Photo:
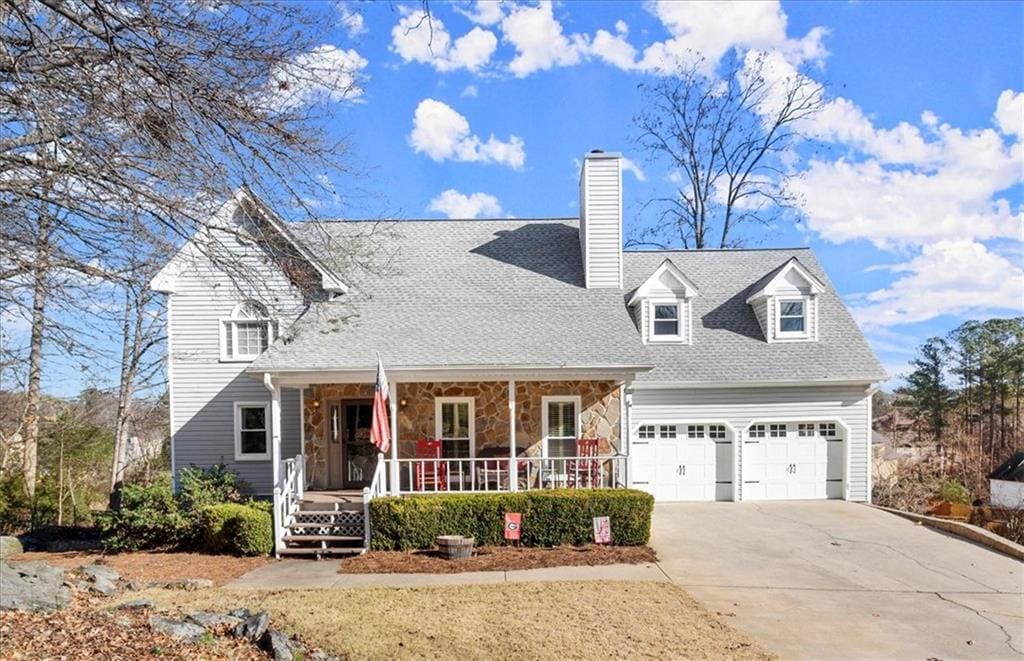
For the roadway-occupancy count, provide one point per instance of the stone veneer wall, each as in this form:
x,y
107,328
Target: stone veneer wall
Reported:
x,y
600,417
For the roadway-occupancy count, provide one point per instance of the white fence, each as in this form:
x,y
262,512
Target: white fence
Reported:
x,y
502,474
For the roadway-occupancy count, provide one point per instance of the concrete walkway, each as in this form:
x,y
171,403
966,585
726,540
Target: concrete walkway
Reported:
x,y
830,579
324,574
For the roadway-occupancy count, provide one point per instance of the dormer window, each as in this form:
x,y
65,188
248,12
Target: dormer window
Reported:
x,y
665,321
248,332
663,305
792,317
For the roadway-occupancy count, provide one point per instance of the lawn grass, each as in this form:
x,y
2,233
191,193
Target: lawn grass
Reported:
x,y
510,620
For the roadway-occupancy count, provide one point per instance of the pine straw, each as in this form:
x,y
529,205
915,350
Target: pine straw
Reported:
x,y
89,629
495,558
145,566
567,620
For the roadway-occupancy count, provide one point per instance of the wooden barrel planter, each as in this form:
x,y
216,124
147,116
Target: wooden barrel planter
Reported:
x,y
455,547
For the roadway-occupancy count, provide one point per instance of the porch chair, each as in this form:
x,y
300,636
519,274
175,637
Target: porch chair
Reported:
x,y
430,475
584,471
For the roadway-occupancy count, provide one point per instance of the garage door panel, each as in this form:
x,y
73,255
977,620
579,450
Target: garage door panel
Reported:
x,y
674,466
797,465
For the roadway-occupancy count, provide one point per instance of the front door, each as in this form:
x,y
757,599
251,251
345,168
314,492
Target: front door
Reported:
x,y
352,467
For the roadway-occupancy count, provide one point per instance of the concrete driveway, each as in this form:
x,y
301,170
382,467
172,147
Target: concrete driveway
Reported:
x,y
830,579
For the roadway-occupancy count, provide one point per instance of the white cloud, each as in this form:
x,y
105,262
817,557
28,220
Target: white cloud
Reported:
x,y
900,188
948,277
454,204
1010,113
327,73
539,41
443,134
351,20
484,12
631,167
470,91
417,38
711,29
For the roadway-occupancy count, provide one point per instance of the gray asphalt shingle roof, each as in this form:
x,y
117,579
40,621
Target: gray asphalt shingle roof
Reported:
x,y
465,293
510,293
728,344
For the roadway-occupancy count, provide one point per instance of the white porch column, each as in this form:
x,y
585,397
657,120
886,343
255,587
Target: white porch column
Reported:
x,y
513,465
275,458
395,485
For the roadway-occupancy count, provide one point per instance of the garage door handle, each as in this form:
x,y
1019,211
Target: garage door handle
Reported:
x,y
681,470
791,469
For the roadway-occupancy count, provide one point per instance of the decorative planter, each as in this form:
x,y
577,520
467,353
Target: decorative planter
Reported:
x,y
455,547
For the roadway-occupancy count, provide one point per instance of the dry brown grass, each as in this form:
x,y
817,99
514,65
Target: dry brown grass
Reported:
x,y
145,566
495,558
592,620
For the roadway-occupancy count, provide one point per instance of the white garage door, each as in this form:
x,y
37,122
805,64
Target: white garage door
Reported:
x,y
792,461
679,462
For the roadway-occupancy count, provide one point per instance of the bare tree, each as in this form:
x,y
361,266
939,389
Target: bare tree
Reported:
x,y
723,138
122,119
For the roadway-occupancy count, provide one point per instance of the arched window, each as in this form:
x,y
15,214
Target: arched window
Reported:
x,y
248,332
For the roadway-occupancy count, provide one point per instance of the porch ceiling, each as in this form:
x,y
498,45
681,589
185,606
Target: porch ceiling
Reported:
x,y
406,374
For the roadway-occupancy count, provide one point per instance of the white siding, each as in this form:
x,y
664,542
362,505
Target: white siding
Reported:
x,y
741,406
204,389
1006,493
761,307
601,220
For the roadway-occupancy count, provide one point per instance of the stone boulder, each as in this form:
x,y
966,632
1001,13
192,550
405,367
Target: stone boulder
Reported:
x,y
214,620
185,631
99,578
254,627
10,546
32,586
280,647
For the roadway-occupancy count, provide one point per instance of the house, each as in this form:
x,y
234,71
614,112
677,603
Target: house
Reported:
x,y
1006,483
699,374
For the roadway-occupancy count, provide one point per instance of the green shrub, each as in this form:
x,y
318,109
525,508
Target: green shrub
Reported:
x,y
235,528
251,532
954,492
199,487
149,517
550,518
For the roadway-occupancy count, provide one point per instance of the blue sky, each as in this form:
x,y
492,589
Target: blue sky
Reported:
x,y
913,201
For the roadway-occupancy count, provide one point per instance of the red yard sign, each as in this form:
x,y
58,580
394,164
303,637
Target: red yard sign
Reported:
x,y
513,522
602,530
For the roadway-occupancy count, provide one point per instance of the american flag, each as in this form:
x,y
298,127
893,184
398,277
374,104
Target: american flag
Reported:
x,y
380,427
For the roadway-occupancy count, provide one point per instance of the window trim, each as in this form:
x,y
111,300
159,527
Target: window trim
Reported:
x,y
557,399
230,325
681,318
438,427
252,456
805,302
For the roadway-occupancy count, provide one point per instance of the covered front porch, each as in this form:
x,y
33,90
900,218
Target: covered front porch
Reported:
x,y
465,436
447,436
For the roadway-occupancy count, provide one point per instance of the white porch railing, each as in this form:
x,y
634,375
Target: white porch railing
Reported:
x,y
287,496
377,488
483,475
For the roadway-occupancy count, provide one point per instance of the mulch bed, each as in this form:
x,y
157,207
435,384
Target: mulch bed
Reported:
x,y
495,558
88,629
145,566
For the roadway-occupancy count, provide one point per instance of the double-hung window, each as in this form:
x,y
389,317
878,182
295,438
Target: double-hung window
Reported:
x,y
455,426
561,422
247,333
792,317
666,321
252,431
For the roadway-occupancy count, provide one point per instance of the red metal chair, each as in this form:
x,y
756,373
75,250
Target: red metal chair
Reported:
x,y
584,471
430,475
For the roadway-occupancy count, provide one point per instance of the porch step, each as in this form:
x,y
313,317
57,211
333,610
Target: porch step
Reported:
x,y
322,538
314,551
299,525
333,506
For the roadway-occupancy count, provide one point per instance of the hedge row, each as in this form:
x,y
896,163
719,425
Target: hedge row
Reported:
x,y
550,518
236,528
